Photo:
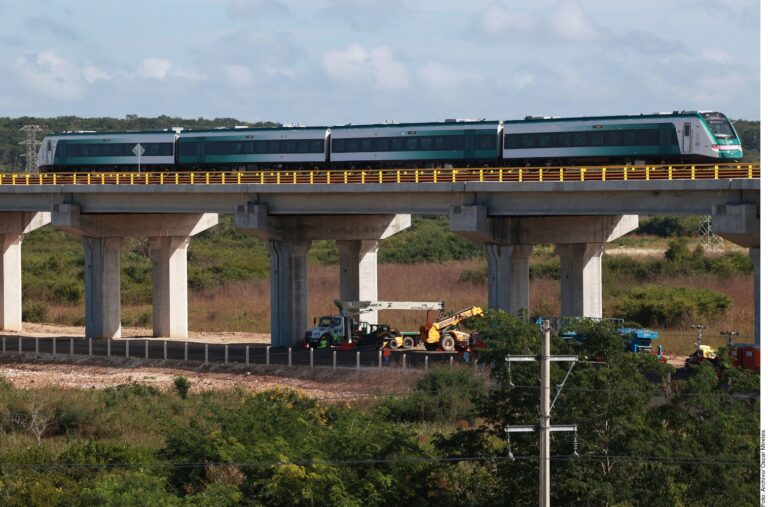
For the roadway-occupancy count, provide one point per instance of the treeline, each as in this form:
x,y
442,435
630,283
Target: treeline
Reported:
x,y
641,440
11,136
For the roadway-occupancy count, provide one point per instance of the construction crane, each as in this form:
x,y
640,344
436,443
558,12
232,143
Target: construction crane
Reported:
x,y
358,307
440,334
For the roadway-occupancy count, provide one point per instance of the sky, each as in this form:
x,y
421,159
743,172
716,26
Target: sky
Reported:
x,y
328,62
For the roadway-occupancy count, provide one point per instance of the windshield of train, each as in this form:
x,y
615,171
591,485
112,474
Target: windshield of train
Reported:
x,y
720,126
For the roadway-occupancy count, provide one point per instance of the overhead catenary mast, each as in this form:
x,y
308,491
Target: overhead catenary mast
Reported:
x,y
31,145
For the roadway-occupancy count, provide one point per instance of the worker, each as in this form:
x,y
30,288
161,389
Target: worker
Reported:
x,y
467,355
386,354
323,343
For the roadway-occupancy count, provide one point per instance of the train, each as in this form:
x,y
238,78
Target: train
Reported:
x,y
674,137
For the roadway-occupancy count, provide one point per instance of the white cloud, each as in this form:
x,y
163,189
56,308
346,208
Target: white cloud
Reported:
x,y
91,73
717,56
256,9
160,68
238,75
377,67
50,74
522,79
498,18
365,15
439,76
570,22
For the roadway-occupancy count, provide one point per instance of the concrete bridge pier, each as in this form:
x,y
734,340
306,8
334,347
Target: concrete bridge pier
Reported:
x,y
740,224
102,235
13,226
579,241
290,236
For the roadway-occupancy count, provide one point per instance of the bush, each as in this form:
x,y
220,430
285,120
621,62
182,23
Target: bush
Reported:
x,y
182,386
35,312
655,305
667,226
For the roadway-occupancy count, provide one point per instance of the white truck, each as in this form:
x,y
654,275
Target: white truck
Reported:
x,y
335,330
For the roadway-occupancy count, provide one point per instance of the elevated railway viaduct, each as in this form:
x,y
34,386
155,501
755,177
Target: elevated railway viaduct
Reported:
x,y
508,210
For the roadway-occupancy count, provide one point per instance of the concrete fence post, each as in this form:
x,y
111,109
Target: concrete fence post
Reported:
x,y
186,352
109,348
206,354
3,344
226,353
53,347
71,346
165,350
334,359
474,365
426,362
37,345
127,349
247,355
357,360
90,347
311,357
450,361
290,356
268,347
405,363
146,349
20,345
380,361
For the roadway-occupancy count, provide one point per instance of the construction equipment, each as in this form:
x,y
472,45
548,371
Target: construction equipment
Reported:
x,y
443,333
347,327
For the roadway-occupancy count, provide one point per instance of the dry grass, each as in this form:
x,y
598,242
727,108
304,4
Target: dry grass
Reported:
x,y
244,306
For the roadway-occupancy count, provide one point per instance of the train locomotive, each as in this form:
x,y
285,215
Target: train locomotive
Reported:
x,y
676,137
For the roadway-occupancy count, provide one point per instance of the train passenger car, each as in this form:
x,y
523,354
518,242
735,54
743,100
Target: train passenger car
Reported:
x,y
665,137
459,143
252,148
104,151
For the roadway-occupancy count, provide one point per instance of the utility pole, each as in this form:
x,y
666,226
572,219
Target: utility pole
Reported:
x,y
545,427
31,145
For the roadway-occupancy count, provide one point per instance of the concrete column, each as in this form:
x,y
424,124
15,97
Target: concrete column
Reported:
x,y
10,282
358,273
755,254
581,280
169,286
102,287
288,291
508,286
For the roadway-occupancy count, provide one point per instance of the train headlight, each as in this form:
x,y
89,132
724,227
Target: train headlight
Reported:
x,y
716,147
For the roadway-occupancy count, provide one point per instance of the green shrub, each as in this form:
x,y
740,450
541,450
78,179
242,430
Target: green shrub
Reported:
x,y
68,292
669,225
182,386
474,276
35,312
655,305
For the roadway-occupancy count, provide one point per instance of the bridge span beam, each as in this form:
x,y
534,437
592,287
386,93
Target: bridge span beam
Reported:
x,y
740,224
579,241
13,227
290,236
102,235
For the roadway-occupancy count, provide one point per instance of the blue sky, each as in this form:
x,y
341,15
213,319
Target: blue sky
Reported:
x,y
356,61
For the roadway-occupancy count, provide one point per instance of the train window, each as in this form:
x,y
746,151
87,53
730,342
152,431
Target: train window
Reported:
x,y
580,139
302,146
365,145
687,130
273,146
411,144
596,138
439,143
561,140
529,140
187,148
382,144
398,144
288,146
425,143
485,142
543,140
455,142
630,138
317,146
613,138
352,145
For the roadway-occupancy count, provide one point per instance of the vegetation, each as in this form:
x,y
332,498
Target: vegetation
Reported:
x,y
641,441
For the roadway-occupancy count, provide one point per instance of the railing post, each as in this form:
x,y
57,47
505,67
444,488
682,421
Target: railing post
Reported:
x,y
3,344
334,359
481,175
268,347
669,173
426,362
749,171
186,352
127,349
20,345
357,360
405,363
90,347
625,173
380,362
247,355
290,356
647,174
165,350
520,174
541,174
603,173
693,172
717,172
206,354
37,345
71,346
450,361
561,174
226,353
146,349
109,348
53,347
311,357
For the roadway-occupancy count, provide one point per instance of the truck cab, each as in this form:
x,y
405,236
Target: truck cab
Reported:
x,y
335,329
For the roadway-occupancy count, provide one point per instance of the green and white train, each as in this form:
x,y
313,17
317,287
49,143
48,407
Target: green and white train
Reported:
x,y
680,136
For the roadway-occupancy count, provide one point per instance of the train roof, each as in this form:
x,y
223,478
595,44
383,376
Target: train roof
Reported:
x,y
176,130
418,124
539,119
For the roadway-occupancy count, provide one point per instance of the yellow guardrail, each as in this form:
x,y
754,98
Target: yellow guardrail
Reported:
x,y
394,176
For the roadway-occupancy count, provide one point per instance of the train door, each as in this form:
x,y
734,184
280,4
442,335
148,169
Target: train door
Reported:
x,y
686,138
